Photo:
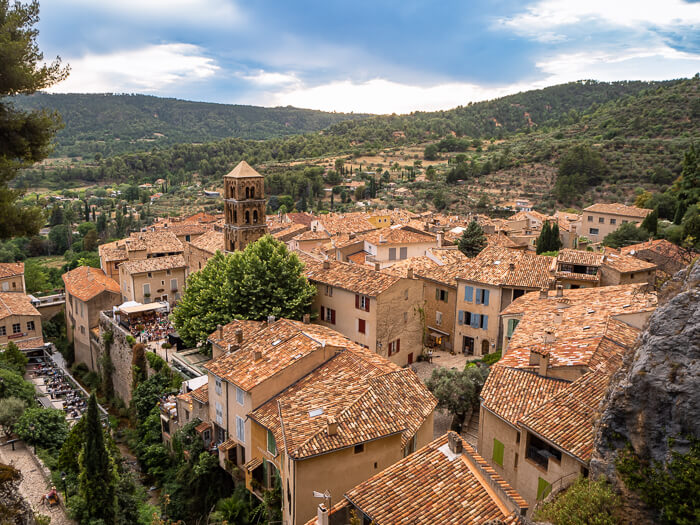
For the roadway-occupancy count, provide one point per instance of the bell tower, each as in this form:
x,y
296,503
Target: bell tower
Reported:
x,y
244,207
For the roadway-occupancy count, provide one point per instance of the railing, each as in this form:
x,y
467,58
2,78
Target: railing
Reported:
x,y
558,485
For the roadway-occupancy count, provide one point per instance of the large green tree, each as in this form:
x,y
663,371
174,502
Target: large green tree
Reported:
x,y
98,474
25,135
549,240
264,279
472,240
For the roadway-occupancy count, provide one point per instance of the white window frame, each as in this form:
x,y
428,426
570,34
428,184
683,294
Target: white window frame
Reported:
x,y
240,429
240,396
219,414
217,386
438,318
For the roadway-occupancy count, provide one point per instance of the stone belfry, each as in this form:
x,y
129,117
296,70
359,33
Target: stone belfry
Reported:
x,y
244,207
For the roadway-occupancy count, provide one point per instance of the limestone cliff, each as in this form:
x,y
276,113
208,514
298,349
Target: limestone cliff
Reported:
x,y
654,402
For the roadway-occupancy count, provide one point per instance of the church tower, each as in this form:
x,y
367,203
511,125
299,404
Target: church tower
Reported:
x,y
244,207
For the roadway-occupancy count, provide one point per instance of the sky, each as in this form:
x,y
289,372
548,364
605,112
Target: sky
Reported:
x,y
377,56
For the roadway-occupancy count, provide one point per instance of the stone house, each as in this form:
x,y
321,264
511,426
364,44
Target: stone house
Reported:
x,y
12,277
20,322
600,219
201,249
150,280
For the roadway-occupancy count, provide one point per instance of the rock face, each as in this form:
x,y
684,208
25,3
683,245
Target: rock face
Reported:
x,y
656,396
14,509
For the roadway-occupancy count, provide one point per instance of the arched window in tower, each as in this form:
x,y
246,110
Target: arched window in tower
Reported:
x,y
255,216
247,192
247,217
252,192
235,216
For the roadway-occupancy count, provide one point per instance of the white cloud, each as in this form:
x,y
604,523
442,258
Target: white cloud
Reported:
x,y
547,14
151,70
266,78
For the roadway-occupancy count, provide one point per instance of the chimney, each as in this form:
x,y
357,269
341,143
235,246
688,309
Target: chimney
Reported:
x,y
238,336
326,265
219,332
306,319
382,239
454,442
544,293
560,290
377,266
409,273
544,364
511,266
332,426
270,319
257,355
439,240
351,236
322,515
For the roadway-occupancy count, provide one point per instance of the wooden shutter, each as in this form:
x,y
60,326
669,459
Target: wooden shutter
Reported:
x,y
461,317
323,313
437,294
498,450
366,304
486,297
357,301
478,295
398,345
468,293
332,316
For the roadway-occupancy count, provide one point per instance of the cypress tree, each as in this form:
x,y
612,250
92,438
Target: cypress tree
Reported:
x,y
543,239
555,241
472,240
651,222
98,477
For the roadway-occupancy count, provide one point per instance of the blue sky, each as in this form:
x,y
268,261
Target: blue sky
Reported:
x,y
364,56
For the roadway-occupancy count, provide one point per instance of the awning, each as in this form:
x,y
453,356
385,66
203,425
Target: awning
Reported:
x,y
437,333
253,464
141,308
226,445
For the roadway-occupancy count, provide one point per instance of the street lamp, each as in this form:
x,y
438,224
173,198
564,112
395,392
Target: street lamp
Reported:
x,y
65,488
32,428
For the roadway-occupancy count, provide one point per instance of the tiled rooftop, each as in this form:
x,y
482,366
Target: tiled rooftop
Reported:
x,y
229,331
210,242
618,209
493,266
661,247
580,257
201,394
335,223
11,269
242,170
626,263
13,303
365,400
435,486
398,235
420,266
154,264
85,283
355,278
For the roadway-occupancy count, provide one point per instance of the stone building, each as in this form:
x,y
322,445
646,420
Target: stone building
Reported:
x,y
12,277
244,207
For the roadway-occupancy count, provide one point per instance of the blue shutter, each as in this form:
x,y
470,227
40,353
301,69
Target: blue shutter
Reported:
x,y
485,321
461,317
478,295
486,297
468,293
475,321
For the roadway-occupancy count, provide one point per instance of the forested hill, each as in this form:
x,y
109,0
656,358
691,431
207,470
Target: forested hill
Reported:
x,y
114,124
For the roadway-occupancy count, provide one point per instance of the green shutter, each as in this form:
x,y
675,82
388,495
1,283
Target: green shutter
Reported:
x,y
271,444
543,488
498,452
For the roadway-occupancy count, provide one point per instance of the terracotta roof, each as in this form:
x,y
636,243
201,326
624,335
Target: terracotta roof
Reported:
x,y
13,303
229,332
335,224
619,209
302,218
499,239
446,274
359,258
661,247
446,255
202,427
161,241
528,215
626,263
493,266
30,344
85,283
186,228
398,235
242,170
574,276
310,235
279,344
289,231
580,257
210,242
434,485
201,217
154,264
201,394
11,269
366,402
355,278
112,252
420,265
511,392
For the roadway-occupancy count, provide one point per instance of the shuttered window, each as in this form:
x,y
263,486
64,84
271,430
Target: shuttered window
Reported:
x,y
498,449
469,293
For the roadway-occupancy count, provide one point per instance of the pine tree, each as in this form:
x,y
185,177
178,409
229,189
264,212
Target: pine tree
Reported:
x,y
98,476
543,239
651,222
554,240
472,240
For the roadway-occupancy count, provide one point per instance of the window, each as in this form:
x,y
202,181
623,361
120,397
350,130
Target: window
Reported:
x,y
392,254
498,452
541,452
469,293
512,323
173,285
329,291
601,220
82,330
362,302
219,414
624,221
394,347
16,328
168,272
240,396
162,283
271,444
30,326
403,253
359,448
146,290
593,231
240,429
482,296
465,317
328,315
217,386
515,462
5,286
590,218
438,318
441,295
3,330
613,221
149,275
405,317
484,322
361,326
543,488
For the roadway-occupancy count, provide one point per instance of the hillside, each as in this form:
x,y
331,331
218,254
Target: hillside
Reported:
x,y
113,124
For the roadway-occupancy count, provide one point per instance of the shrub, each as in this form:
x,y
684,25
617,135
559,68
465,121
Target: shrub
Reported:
x,y
49,427
586,502
490,359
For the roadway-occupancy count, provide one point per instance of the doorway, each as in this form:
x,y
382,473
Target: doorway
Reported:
x,y
467,345
484,347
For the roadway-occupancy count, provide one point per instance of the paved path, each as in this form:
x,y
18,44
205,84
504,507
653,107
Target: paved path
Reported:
x,y
34,483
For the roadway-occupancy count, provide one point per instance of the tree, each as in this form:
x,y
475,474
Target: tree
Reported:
x,y
26,135
264,279
57,215
457,391
90,241
431,152
13,384
472,240
98,476
58,237
579,168
651,222
625,235
11,409
43,427
12,358
439,201
548,240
